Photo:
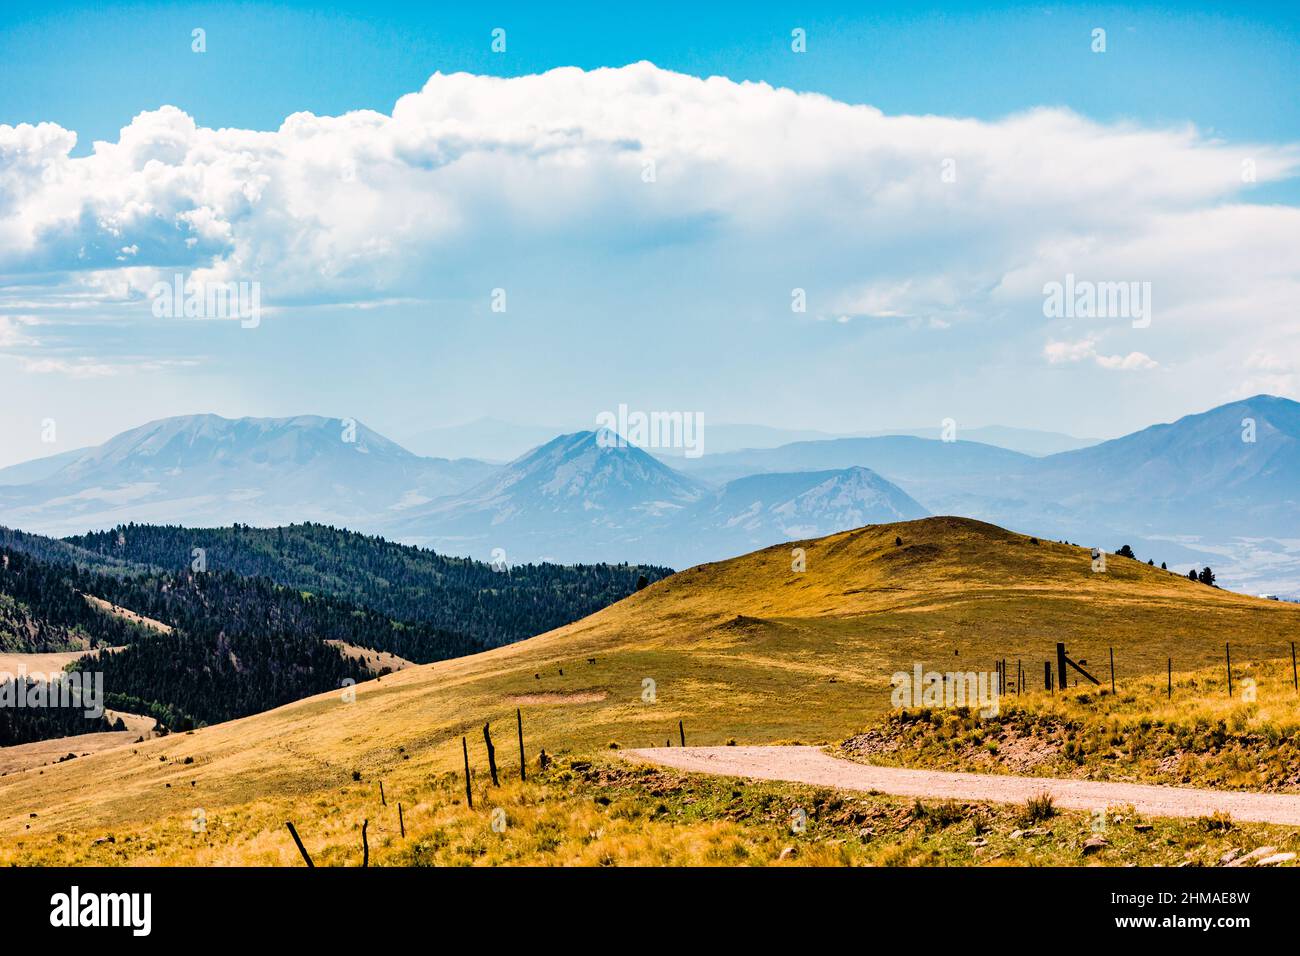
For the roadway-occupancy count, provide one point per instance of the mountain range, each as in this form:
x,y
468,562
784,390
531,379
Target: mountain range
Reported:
x,y
492,439
1217,487
204,469
584,495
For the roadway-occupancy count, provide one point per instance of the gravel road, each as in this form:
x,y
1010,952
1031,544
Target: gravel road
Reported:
x,y
811,765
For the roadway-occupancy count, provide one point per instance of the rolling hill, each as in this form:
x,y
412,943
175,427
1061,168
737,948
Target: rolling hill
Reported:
x,y
746,650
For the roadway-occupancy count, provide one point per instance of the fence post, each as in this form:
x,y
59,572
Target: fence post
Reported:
x,y
301,849
1112,670
1227,650
1294,681
382,799
401,822
1171,679
1047,675
682,730
519,720
1061,682
492,755
469,793
365,844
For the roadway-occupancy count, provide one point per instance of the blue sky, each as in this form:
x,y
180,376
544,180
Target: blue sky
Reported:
x,y
92,66
921,305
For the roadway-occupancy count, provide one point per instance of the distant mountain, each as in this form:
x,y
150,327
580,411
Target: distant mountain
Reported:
x,y
583,495
1199,473
761,510
204,469
900,458
1192,492
491,439
577,495
1028,441
38,468
1220,487
722,438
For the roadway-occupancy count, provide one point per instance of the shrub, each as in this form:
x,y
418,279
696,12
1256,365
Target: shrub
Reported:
x,y
1039,808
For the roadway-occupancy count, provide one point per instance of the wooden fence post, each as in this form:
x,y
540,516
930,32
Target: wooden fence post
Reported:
x,y
401,822
469,793
1227,650
365,844
1112,670
1061,681
682,730
519,720
492,755
301,849
1047,675
382,799
1171,679
1295,682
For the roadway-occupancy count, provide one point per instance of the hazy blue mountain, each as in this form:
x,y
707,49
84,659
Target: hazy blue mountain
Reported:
x,y
204,469
582,495
38,468
900,458
491,439
1188,492
760,510
723,438
1028,441
577,494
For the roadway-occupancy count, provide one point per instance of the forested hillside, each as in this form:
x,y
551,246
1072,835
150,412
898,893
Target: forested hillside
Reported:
x,y
459,595
42,608
239,645
186,679
251,622
23,725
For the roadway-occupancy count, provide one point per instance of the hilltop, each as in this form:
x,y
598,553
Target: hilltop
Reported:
x,y
747,650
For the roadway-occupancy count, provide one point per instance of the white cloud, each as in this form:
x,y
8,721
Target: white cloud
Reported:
x,y
1084,350
474,171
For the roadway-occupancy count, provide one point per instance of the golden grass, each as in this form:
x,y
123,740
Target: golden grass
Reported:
x,y
611,814
1193,733
745,650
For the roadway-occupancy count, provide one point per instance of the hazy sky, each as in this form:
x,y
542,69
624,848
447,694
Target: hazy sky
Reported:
x,y
645,191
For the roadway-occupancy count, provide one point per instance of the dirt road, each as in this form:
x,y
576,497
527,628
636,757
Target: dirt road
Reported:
x,y
811,765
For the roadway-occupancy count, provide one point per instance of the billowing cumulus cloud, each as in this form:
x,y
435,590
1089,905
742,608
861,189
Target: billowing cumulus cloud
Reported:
x,y
932,220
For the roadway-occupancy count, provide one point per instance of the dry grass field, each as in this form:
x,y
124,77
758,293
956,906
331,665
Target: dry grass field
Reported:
x,y
746,650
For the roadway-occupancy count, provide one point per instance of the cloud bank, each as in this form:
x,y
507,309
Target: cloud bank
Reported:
x,y
926,219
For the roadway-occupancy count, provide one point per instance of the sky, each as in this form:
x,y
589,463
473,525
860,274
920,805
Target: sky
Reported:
x,y
668,207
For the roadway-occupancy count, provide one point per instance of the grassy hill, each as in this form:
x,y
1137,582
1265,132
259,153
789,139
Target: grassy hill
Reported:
x,y
746,650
